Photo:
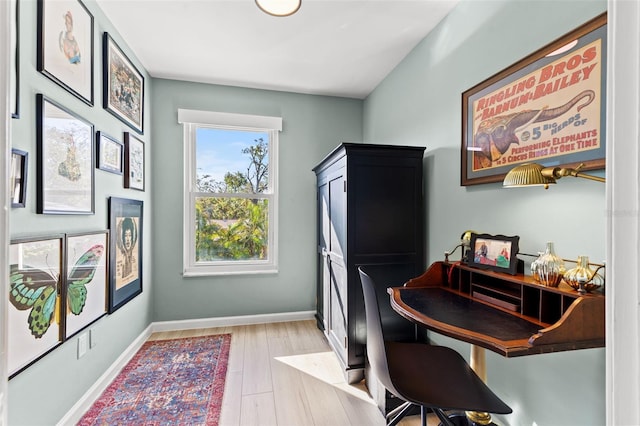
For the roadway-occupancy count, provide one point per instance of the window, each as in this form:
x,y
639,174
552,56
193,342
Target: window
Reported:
x,y
230,193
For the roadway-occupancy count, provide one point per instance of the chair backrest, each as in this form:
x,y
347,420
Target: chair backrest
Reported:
x,y
376,352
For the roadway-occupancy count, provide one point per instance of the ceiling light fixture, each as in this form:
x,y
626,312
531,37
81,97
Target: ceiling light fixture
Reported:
x,y
532,174
279,7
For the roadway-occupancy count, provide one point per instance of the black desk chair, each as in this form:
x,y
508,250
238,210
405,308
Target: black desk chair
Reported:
x,y
433,377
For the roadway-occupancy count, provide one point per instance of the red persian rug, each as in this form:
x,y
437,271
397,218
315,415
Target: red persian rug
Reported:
x,y
177,382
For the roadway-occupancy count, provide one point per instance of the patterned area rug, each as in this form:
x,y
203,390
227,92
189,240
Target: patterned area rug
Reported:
x,y
168,382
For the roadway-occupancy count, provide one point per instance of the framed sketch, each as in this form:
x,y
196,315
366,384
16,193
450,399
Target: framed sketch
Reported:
x,y
123,86
65,46
109,153
34,308
14,60
18,178
65,177
125,265
85,287
548,108
133,162
494,252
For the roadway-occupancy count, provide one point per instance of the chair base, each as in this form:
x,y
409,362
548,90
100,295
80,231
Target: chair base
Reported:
x,y
461,419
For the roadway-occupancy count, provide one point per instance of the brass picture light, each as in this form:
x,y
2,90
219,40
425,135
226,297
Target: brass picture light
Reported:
x,y
533,174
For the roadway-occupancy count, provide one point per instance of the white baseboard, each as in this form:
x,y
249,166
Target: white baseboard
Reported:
x,y
229,321
75,413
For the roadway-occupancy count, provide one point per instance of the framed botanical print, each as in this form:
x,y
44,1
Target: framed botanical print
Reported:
x,y
65,46
133,162
85,287
123,85
65,177
125,265
34,311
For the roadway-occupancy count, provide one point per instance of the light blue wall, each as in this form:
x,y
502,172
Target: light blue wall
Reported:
x,y
312,127
44,392
419,103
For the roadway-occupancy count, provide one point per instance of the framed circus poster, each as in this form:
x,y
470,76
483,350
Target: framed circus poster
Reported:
x,y
125,265
548,108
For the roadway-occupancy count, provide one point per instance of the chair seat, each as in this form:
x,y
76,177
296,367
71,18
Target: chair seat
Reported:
x,y
439,377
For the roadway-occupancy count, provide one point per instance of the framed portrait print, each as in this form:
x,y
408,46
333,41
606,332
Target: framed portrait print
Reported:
x,y
14,60
109,153
133,162
548,108
18,178
65,46
123,85
85,287
34,309
65,177
125,265
494,252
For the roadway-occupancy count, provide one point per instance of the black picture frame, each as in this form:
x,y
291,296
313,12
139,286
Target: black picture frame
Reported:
x,y
86,281
134,162
494,252
65,157
548,108
18,178
122,86
109,153
14,64
32,329
125,262
65,46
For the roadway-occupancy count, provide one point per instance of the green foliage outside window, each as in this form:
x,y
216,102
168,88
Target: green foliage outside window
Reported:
x,y
234,228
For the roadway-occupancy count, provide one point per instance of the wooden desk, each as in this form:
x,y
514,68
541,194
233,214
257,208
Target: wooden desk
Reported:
x,y
508,314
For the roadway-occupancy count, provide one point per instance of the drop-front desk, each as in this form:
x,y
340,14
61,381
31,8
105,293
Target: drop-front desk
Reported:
x,y
508,314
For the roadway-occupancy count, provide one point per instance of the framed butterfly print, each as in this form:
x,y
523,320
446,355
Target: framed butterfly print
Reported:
x,y
85,287
34,311
125,265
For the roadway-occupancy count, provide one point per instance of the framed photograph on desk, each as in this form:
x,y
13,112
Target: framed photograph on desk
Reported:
x,y
494,252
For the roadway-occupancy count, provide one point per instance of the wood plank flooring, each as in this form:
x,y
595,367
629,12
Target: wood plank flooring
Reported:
x,y
285,374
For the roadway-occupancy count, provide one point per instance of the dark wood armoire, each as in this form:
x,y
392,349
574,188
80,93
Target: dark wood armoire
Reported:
x,y
370,214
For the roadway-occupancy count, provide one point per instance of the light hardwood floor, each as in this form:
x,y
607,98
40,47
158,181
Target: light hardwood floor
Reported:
x,y
285,374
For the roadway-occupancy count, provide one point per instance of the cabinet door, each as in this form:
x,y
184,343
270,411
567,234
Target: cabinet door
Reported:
x,y
324,222
337,280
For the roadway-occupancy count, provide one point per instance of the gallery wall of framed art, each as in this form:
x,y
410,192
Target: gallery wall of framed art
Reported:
x,y
67,161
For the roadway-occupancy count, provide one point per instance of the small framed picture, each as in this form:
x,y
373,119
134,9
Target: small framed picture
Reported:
x,y
494,252
19,163
125,264
133,162
65,46
109,153
65,160
123,86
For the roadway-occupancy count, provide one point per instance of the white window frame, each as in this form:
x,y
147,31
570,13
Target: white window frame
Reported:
x,y
191,121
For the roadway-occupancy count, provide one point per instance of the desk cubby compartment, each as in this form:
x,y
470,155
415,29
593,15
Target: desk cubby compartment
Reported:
x,y
503,294
531,302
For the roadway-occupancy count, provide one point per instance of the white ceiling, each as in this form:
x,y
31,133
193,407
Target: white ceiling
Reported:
x,y
329,47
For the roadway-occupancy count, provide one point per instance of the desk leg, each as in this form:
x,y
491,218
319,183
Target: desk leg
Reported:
x,y
478,364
